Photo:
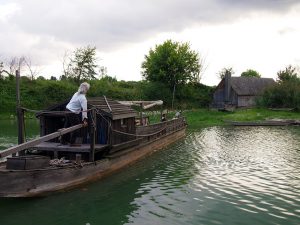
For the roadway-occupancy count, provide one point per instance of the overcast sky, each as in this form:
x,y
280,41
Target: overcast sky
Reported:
x,y
243,34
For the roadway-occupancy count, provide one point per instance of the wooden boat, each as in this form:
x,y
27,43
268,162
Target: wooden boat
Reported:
x,y
111,142
264,123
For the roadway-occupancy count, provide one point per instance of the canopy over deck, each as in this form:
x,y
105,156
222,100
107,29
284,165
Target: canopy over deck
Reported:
x,y
108,107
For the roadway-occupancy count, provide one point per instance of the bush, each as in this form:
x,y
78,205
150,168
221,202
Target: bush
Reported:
x,y
282,95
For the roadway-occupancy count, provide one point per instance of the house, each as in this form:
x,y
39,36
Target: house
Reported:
x,y
239,91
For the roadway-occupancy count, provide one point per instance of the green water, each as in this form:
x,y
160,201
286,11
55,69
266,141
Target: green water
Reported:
x,y
216,175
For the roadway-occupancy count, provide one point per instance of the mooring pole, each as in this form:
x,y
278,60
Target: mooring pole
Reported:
x,y
20,113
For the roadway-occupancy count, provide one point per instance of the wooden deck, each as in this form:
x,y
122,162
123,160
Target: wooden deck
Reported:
x,y
53,146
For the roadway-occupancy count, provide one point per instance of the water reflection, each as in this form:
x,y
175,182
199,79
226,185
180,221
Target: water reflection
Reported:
x,y
216,175
9,132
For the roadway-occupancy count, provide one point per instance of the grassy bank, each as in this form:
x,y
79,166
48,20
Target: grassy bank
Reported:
x,y
205,117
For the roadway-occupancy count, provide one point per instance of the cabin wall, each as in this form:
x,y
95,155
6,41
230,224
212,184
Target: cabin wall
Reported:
x,y
126,125
102,136
50,124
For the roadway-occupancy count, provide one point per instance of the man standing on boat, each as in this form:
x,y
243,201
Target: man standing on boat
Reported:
x,y
77,108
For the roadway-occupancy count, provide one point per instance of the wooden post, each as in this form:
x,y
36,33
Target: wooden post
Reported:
x,y
20,114
173,96
93,135
141,114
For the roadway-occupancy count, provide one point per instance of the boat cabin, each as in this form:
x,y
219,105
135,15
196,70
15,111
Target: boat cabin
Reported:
x,y
104,117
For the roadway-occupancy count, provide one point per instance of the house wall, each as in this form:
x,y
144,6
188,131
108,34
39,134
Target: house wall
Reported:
x,y
218,98
233,98
246,101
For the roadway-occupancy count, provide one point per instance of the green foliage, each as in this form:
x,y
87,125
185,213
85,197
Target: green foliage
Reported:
x,y
172,63
250,73
286,93
40,93
288,74
157,91
282,95
82,65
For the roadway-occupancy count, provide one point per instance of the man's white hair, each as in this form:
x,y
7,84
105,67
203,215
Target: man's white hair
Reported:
x,y
83,88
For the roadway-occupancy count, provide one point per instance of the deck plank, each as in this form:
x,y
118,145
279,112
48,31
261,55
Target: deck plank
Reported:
x,y
53,146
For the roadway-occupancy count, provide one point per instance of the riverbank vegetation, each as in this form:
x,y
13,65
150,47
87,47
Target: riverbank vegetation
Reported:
x,y
205,117
286,92
39,94
171,73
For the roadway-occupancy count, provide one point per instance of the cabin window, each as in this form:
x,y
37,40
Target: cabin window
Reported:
x,y
123,123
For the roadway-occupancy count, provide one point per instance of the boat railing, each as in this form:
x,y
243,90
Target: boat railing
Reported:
x,y
147,133
156,130
37,141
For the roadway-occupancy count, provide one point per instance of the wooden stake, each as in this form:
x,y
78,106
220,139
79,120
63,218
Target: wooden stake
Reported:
x,y
20,114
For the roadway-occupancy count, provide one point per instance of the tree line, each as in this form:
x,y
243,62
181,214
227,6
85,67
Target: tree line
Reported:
x,y
39,94
171,72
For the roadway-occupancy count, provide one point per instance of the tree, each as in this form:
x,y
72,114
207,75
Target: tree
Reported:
x,y
288,74
172,63
2,70
222,72
16,63
103,71
33,70
81,65
250,73
10,66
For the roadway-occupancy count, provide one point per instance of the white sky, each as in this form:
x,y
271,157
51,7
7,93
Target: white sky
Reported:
x,y
260,34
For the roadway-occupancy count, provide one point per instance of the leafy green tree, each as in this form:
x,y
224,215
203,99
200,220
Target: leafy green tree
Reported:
x,y
82,64
222,72
288,74
250,73
172,63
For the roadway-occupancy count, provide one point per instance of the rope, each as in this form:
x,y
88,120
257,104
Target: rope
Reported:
x,y
59,162
139,135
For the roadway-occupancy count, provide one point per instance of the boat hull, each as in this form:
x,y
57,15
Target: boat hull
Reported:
x,y
27,183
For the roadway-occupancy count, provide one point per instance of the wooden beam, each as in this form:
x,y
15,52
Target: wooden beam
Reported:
x,y
34,142
93,135
107,103
21,128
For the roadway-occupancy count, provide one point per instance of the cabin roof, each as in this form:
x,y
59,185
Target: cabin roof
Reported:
x,y
250,85
105,106
111,108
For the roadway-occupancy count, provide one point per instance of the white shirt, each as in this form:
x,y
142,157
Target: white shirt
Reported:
x,y
77,103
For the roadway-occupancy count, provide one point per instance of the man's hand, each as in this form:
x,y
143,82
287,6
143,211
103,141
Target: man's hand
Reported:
x,y
85,123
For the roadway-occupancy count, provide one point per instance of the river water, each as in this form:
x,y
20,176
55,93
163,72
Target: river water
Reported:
x,y
216,175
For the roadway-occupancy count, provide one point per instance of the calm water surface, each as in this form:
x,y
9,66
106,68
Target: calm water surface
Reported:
x,y
216,175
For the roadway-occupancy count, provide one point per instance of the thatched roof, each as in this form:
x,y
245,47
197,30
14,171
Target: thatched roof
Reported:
x,y
250,85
